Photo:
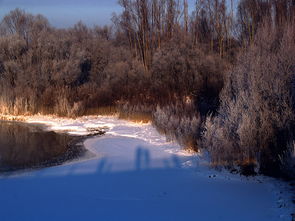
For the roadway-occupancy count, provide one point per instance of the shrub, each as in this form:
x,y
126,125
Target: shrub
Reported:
x,y
256,118
180,71
179,122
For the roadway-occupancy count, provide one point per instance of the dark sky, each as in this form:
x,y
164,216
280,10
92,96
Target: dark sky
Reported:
x,y
65,13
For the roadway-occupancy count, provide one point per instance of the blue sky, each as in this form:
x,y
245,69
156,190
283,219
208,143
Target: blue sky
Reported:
x,y
65,13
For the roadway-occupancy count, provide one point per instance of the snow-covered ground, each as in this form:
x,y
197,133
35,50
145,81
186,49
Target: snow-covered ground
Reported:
x,y
137,175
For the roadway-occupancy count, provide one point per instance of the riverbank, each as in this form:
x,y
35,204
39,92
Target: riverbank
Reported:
x,y
137,175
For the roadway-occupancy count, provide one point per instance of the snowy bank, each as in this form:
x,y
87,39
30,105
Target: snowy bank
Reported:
x,y
136,175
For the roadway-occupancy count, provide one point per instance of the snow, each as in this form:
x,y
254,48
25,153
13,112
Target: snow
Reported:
x,y
136,175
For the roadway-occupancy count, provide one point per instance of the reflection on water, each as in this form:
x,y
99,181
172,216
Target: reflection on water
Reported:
x,y
28,146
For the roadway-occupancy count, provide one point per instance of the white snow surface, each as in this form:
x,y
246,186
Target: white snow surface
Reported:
x,y
136,175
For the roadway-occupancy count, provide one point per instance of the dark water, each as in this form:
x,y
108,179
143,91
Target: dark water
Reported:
x,y
29,146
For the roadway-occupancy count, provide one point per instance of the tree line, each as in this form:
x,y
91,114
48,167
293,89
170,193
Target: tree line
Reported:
x,y
219,76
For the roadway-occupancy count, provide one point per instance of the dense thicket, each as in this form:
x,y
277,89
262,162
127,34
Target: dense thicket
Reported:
x,y
220,78
255,124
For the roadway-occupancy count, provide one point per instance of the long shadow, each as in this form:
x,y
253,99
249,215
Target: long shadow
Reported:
x,y
153,194
144,193
176,161
142,158
102,165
